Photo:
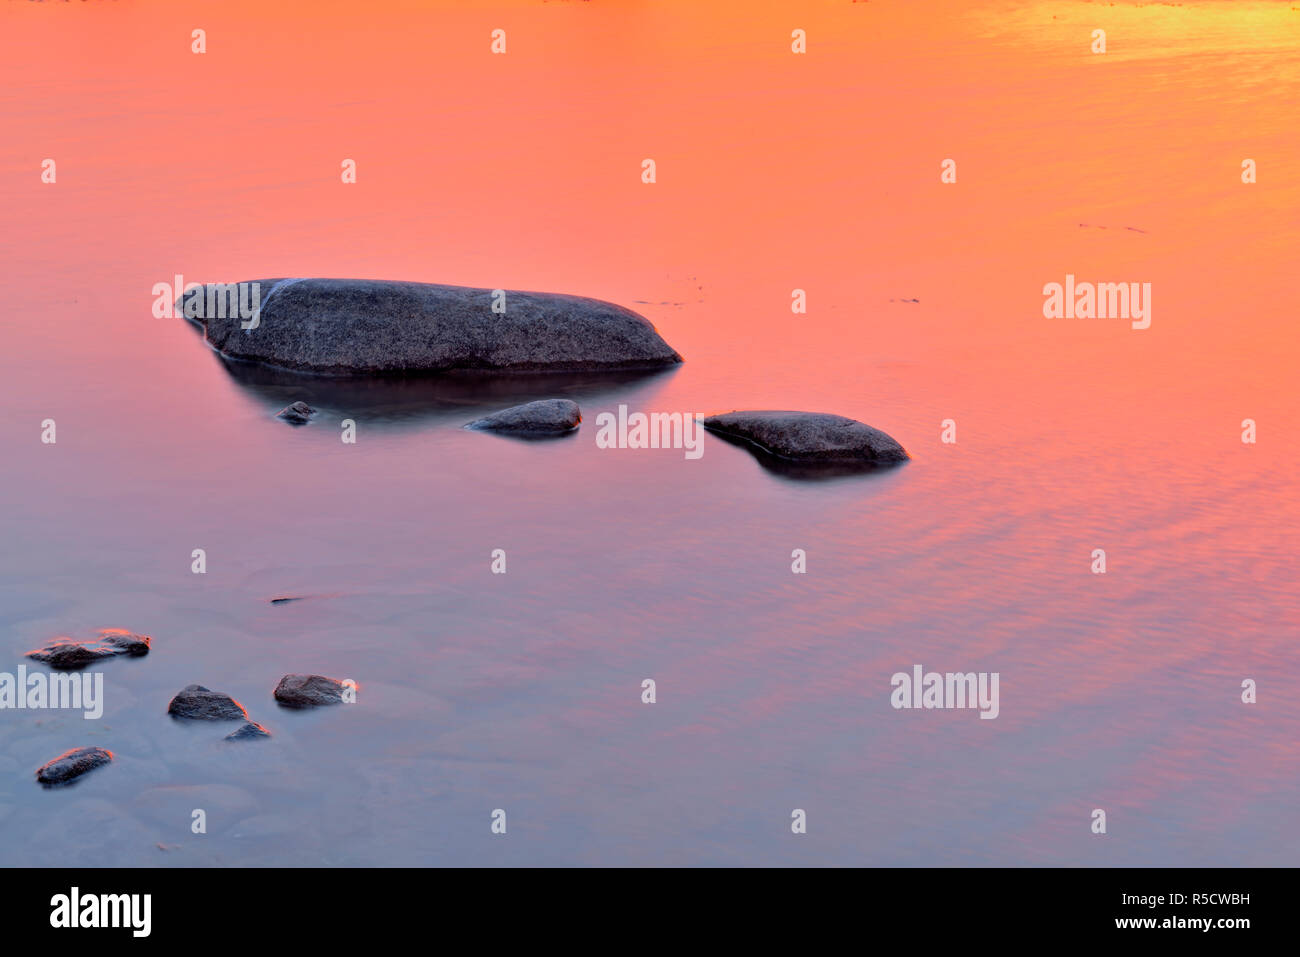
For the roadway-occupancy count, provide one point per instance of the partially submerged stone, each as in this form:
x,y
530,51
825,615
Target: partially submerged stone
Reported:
x,y
543,417
299,413
309,691
370,326
810,438
248,731
197,703
70,653
72,764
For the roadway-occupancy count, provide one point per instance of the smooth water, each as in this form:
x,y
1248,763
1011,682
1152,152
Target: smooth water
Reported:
x,y
776,172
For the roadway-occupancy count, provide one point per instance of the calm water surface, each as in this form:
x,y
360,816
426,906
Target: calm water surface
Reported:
x,y
776,172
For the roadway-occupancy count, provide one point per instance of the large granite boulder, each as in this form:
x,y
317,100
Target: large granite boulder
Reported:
x,y
370,326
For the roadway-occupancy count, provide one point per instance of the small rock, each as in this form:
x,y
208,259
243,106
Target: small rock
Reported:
x,y
72,764
308,691
66,654
249,730
810,437
543,417
197,703
298,414
69,653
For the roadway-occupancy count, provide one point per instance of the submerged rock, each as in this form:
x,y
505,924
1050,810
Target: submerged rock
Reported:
x,y
72,764
810,438
299,413
248,731
69,653
308,691
367,326
543,417
197,703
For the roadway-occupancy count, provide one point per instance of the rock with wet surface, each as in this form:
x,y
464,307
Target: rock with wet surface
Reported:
x,y
248,731
72,764
371,326
543,417
70,653
197,703
308,691
299,413
810,437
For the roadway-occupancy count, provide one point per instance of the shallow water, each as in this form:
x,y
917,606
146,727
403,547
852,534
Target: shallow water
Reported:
x,y
775,172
